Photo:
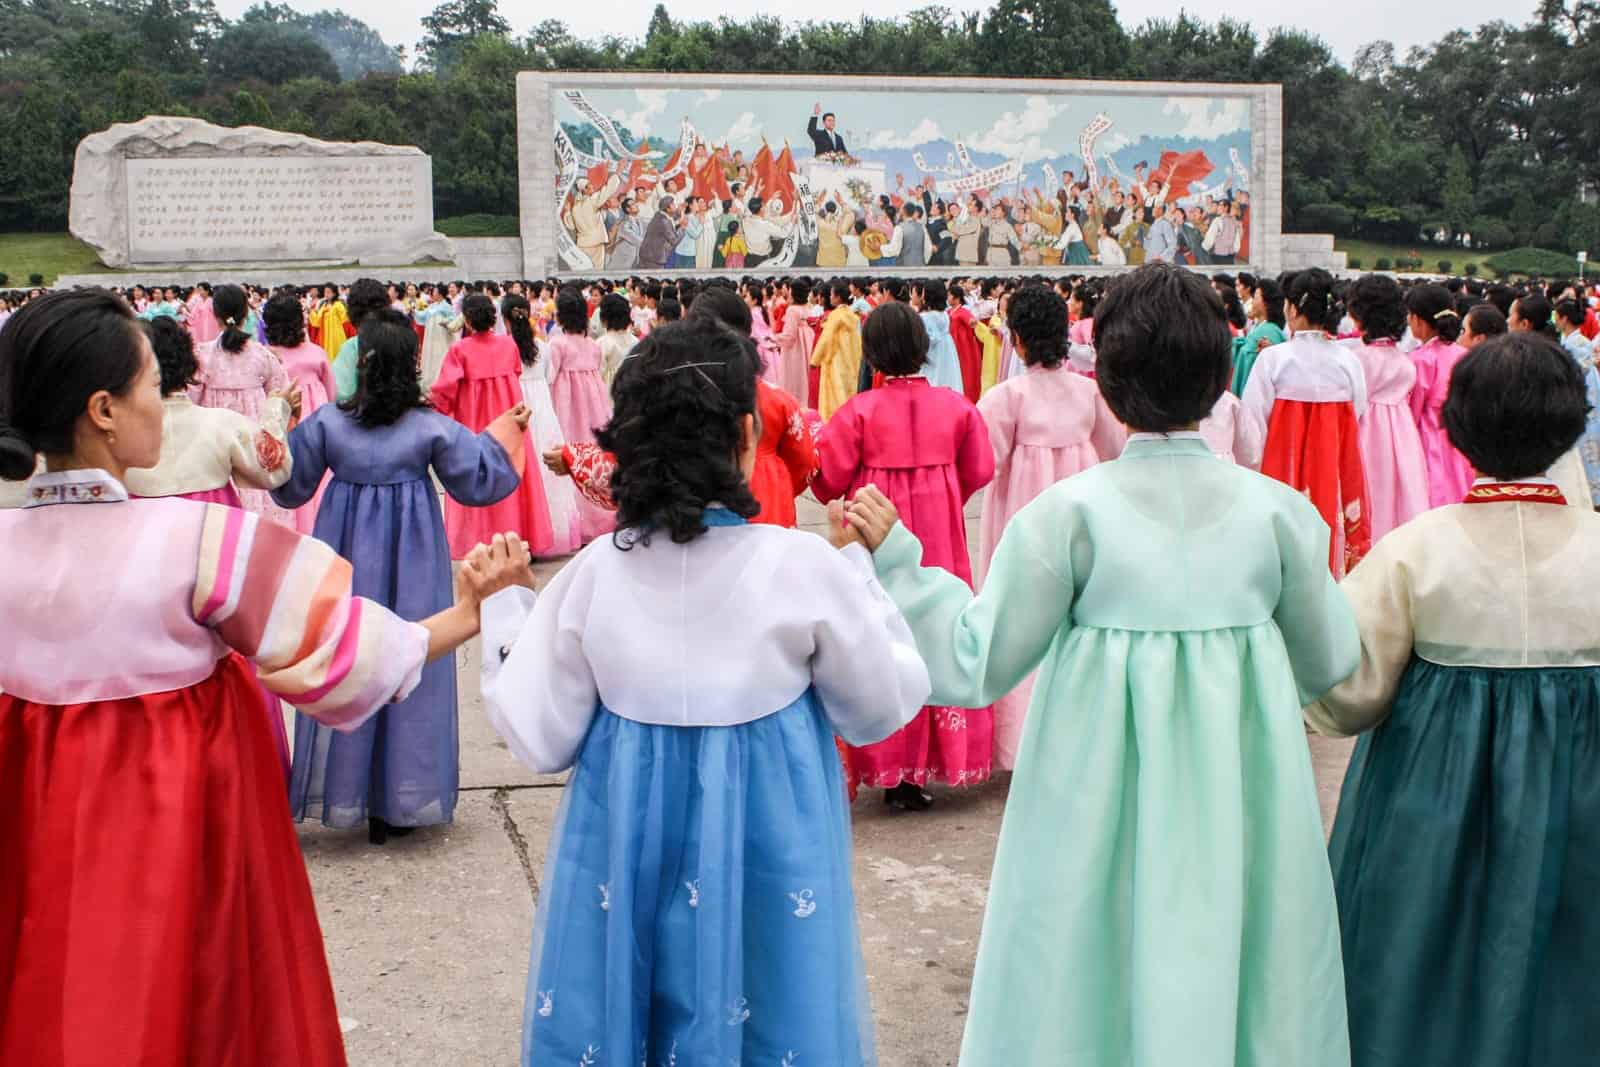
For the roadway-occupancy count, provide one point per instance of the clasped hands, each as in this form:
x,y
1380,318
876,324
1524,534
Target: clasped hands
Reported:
x,y
489,568
865,519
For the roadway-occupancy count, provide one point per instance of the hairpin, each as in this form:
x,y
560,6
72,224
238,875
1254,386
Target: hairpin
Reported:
x,y
696,367
1451,312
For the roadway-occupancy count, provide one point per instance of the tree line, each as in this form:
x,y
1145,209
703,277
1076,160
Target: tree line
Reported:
x,y
1490,132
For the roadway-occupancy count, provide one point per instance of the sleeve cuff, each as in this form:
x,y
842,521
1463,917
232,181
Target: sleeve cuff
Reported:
x,y
501,619
900,549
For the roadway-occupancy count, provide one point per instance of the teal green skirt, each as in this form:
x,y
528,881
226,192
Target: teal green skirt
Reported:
x,y
1466,858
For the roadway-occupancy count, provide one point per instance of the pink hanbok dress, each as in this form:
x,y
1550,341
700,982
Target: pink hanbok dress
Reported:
x,y
1449,473
481,379
1391,446
795,341
928,451
767,345
1044,425
583,405
240,382
201,320
308,368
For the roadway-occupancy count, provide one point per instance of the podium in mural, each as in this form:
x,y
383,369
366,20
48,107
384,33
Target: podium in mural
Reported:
x,y
701,173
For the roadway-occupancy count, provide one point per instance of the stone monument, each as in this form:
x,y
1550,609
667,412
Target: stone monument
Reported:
x,y
168,191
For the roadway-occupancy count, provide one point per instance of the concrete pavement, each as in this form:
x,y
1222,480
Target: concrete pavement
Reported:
x,y
428,935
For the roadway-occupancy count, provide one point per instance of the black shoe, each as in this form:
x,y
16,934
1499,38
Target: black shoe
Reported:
x,y
379,832
908,796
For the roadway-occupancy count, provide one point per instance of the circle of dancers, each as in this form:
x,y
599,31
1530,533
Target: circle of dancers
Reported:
x,y
1216,512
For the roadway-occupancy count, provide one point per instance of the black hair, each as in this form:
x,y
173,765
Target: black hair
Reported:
x,y
1248,280
933,294
572,314
723,305
1485,320
1311,292
799,290
615,314
478,310
1164,353
1434,305
514,308
1272,297
1234,307
174,350
956,293
367,295
386,385
56,352
668,309
232,310
1516,405
1502,297
1571,310
840,291
826,115
1377,303
894,340
1038,318
285,320
1087,294
675,430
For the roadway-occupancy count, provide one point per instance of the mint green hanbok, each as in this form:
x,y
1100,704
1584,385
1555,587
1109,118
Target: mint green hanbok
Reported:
x,y
1161,894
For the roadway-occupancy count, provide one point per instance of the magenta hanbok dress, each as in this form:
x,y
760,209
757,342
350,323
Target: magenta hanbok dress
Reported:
x,y
1449,473
927,450
309,369
583,405
240,382
1391,446
480,380
1047,424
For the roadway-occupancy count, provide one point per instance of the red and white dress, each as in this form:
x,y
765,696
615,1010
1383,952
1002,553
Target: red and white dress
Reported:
x,y
1310,392
155,907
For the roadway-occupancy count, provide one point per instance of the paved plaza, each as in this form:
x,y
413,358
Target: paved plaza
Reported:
x,y
428,935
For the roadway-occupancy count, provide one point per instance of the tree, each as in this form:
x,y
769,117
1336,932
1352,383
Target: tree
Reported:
x,y
660,24
1186,49
1053,39
455,22
270,53
1456,195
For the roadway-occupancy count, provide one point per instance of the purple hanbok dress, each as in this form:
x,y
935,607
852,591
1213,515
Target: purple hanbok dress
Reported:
x,y
380,511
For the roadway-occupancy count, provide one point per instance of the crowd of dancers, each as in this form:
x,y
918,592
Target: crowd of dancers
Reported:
x,y
231,500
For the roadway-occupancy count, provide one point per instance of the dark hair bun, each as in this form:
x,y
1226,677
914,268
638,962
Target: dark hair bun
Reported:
x,y
17,457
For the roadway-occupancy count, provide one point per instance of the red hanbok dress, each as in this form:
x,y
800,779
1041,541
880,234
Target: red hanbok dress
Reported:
x,y
969,350
928,451
155,907
481,379
1309,393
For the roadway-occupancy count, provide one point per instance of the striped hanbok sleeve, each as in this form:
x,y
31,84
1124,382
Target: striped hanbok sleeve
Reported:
x,y
284,602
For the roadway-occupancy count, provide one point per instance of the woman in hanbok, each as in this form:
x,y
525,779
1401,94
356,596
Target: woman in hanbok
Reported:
x,y
1081,303
1074,250
238,373
837,354
1465,854
441,328
1266,329
580,397
380,510
696,905
155,908
969,349
1532,313
308,369
928,449
944,363
1161,894
616,335
481,380
1310,393
1047,425
1435,324
1393,465
565,523
754,295
200,318
1232,432
795,340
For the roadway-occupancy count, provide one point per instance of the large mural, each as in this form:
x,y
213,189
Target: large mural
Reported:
x,y
698,179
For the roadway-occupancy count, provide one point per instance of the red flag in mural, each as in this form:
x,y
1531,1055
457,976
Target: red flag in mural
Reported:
x,y
712,181
1181,169
761,165
781,184
598,174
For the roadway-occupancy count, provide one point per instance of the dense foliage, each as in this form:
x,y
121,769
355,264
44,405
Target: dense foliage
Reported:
x,y
1489,133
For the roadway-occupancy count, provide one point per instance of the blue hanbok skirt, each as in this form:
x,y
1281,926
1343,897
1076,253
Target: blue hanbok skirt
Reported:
x,y
696,906
1466,858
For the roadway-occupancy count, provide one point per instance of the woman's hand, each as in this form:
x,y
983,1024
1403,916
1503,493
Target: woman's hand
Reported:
x,y
872,516
291,396
521,414
498,565
556,461
840,532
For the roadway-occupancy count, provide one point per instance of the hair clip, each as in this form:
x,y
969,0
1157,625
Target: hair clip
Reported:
x,y
696,367
1451,312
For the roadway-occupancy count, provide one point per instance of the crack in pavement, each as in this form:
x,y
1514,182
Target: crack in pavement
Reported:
x,y
519,844
510,788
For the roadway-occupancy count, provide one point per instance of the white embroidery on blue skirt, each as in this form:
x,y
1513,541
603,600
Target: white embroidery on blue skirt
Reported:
x,y
804,904
694,892
789,1059
672,1056
589,1055
738,1012
547,1003
605,896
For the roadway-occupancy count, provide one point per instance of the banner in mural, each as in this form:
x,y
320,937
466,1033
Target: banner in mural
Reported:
x,y
791,179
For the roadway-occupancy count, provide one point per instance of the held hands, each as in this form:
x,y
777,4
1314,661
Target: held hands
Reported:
x,y
489,568
840,532
520,415
290,396
871,516
556,461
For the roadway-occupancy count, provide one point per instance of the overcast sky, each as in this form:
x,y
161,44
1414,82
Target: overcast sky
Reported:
x,y
1346,25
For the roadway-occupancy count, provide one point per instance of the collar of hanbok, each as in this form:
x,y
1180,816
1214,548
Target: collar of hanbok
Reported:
x,y
91,486
717,515
1157,444
1521,491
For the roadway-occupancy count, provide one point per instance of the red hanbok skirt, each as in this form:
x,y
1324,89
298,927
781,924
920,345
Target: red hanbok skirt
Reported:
x,y
155,907
1316,448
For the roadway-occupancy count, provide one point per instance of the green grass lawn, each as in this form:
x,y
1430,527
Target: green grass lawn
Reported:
x,y
1369,252
49,254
